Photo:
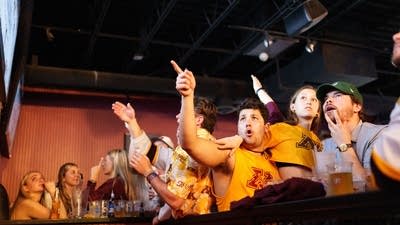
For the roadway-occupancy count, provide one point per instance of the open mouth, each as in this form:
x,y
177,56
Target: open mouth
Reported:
x,y
248,133
330,108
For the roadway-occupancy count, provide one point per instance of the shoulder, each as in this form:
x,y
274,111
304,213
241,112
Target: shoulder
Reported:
x,y
280,126
369,129
371,126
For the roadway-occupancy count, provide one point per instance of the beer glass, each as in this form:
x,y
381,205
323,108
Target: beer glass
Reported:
x,y
340,178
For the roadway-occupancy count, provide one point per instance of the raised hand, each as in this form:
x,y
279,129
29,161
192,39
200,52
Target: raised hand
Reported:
x,y
95,171
185,81
125,113
339,132
256,83
229,143
50,187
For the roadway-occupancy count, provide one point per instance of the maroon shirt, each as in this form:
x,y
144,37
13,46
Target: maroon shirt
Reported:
x,y
104,191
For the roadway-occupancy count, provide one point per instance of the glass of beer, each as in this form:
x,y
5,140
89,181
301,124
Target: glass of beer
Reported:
x,y
340,178
55,207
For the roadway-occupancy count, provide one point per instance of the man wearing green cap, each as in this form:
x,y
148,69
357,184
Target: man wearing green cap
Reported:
x,y
351,138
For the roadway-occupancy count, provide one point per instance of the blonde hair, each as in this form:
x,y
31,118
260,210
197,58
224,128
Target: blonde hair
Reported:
x,y
22,194
119,159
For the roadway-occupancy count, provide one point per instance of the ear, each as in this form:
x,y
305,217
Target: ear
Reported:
x,y
266,127
357,107
292,107
199,120
25,189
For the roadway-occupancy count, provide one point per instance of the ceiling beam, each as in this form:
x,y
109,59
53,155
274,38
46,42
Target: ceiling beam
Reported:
x,y
145,41
288,6
210,29
95,32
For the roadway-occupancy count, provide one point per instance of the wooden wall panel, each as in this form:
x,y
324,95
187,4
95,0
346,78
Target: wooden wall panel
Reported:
x,y
54,129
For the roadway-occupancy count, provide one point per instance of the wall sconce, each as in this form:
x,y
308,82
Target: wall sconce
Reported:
x,y
310,46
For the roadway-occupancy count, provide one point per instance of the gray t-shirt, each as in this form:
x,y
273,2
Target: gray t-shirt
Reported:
x,y
363,137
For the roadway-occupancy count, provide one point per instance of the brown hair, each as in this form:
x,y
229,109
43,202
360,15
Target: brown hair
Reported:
x,y
292,118
65,198
252,103
206,108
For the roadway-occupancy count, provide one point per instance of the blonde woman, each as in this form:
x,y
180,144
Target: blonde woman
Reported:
x,y
120,181
30,195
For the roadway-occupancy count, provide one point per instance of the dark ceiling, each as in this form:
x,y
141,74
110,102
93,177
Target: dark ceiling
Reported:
x,y
210,37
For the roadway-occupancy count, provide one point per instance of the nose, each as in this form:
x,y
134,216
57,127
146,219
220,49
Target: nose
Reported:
x,y
328,98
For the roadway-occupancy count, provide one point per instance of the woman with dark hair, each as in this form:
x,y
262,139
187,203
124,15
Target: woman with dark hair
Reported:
x,y
68,179
294,141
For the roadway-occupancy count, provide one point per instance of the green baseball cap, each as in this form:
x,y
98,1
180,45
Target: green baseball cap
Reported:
x,y
341,86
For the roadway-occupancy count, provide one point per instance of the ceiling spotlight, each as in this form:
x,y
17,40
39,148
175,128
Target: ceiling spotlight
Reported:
x,y
268,41
263,56
310,46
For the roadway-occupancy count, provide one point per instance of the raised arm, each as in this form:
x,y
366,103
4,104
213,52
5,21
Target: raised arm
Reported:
x,y
127,114
274,114
199,149
139,141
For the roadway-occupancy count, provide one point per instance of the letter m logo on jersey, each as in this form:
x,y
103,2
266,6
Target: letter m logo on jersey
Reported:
x,y
259,178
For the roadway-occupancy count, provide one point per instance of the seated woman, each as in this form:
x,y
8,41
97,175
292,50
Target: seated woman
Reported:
x,y
69,178
120,182
28,202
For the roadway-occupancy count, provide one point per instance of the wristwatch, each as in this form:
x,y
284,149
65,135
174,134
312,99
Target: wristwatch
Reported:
x,y
344,147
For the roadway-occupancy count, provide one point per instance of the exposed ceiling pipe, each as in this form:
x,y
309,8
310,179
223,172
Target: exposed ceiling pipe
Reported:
x,y
55,77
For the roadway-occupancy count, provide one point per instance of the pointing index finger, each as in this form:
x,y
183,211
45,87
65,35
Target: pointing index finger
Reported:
x,y
176,67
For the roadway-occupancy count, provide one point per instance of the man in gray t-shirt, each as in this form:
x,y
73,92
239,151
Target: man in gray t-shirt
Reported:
x,y
351,138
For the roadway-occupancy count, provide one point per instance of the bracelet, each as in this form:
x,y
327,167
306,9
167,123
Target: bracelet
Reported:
x,y
261,88
151,176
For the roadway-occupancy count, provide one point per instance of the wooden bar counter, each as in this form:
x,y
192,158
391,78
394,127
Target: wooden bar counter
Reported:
x,y
360,208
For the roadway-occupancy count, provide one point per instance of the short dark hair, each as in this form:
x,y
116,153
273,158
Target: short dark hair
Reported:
x,y
207,108
253,103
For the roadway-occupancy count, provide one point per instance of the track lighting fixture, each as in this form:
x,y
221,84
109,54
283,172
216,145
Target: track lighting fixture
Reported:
x,y
310,46
268,41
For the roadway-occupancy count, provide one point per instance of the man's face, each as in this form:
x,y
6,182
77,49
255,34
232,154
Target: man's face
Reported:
x,y
342,103
396,50
251,128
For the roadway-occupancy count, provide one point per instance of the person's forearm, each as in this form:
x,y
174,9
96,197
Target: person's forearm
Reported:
x,y
134,128
274,114
187,125
161,188
140,144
